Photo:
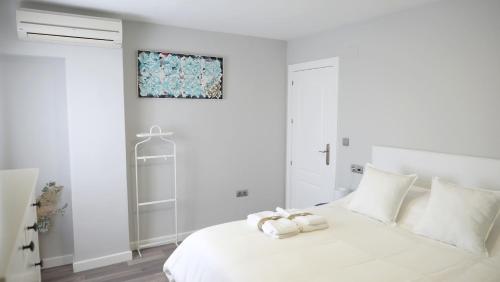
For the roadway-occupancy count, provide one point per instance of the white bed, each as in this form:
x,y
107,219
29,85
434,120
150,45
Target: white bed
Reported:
x,y
355,247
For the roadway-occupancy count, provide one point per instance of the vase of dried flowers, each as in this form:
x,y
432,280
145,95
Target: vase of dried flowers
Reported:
x,y
49,205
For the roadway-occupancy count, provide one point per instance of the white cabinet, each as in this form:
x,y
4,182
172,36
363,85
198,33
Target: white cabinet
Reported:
x,y
19,253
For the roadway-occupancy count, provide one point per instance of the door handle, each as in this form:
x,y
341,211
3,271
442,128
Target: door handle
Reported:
x,y
327,152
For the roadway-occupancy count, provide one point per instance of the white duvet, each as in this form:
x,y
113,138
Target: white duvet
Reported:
x,y
354,248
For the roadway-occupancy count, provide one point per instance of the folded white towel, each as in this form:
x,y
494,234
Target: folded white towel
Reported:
x,y
280,228
276,228
310,228
311,219
289,212
254,218
306,223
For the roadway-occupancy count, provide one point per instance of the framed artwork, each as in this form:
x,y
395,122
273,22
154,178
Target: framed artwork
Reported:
x,y
171,75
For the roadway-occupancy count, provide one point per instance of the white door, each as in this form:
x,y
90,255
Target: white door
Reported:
x,y
312,133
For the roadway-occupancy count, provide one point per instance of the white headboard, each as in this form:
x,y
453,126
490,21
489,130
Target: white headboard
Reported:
x,y
463,170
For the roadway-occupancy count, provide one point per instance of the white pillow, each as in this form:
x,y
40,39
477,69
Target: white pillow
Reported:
x,y
413,207
380,193
493,241
459,216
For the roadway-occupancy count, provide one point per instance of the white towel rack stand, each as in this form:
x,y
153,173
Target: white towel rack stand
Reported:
x,y
155,131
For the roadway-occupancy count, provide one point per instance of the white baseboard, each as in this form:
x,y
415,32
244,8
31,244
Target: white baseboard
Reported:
x,y
101,261
114,258
57,261
158,241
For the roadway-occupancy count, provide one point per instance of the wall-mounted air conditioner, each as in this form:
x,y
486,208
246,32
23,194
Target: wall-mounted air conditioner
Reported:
x,y
54,27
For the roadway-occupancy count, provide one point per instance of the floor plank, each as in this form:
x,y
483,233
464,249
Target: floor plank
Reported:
x,y
148,268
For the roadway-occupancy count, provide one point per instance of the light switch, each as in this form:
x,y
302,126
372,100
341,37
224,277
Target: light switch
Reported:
x,y
357,169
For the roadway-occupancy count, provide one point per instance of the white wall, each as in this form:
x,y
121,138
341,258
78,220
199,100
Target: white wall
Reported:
x,y
223,145
94,87
2,120
426,78
36,133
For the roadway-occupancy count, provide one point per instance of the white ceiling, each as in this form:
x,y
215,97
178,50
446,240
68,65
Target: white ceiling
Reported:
x,y
278,19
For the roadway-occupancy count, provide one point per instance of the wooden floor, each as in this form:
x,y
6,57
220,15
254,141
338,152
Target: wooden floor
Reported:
x,y
148,268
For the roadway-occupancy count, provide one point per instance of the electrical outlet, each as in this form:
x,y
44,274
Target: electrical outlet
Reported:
x,y
357,169
241,193
345,141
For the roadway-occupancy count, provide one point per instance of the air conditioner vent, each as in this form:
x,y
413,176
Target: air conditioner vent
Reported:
x,y
53,27
31,34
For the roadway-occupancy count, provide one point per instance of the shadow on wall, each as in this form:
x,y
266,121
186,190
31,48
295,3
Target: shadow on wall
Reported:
x,y
34,130
226,145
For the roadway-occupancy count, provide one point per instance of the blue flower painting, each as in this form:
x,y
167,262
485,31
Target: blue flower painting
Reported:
x,y
169,75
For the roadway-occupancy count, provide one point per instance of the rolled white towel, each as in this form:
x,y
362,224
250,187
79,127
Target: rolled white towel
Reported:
x,y
306,223
254,218
280,228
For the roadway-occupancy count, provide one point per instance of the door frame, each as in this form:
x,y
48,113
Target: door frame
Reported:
x,y
317,64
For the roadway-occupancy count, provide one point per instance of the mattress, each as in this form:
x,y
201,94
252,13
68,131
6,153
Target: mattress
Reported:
x,y
354,248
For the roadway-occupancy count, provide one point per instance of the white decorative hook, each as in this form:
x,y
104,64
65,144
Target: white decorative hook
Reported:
x,y
153,127
154,131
